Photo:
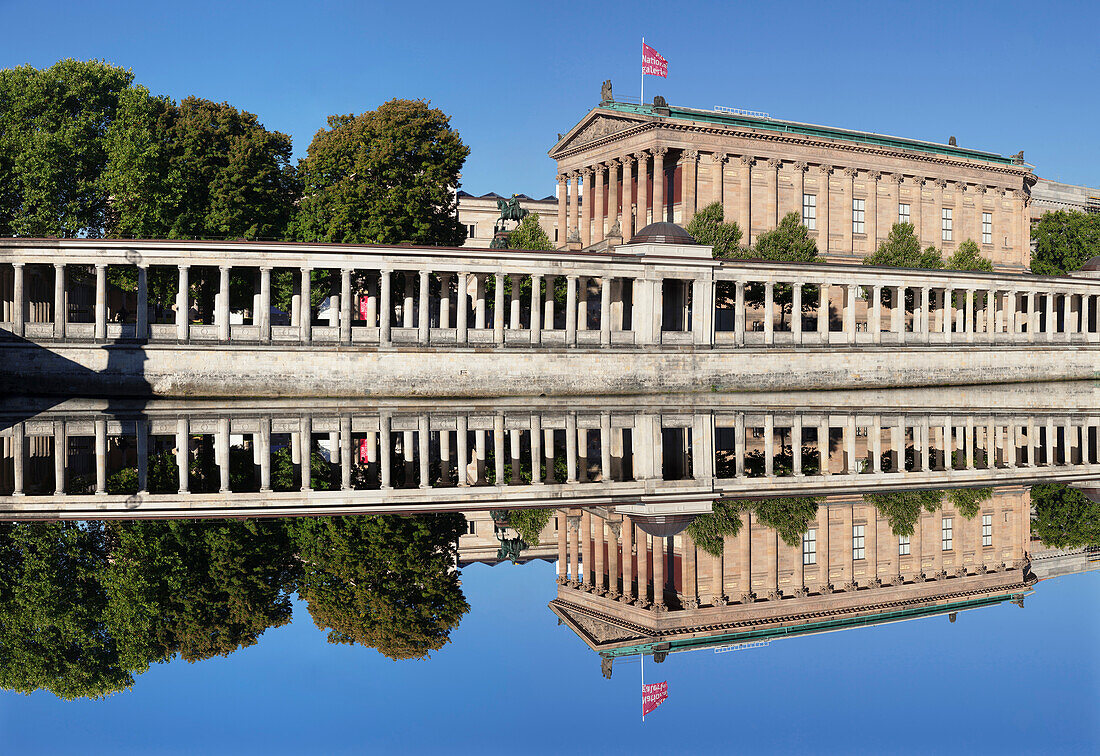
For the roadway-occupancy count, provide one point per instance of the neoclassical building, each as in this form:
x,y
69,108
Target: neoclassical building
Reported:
x,y
654,162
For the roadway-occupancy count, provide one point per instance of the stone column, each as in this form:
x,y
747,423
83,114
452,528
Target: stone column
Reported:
x,y
305,437
850,313
100,455
479,301
346,306
605,311
586,548
872,211
599,229
462,308
937,210
61,458
372,301
1051,324
571,447
643,188
385,307
874,323
796,312
612,194
60,310
563,551
739,313
536,309
222,441
796,444
571,310
745,198
717,188
660,213
823,312
307,307
968,315
265,453
182,304
823,212
536,449
574,208
658,572
141,327
575,552
605,447
627,530
916,207
423,442
948,313
385,452
586,209
563,198
628,198
498,309
100,301
548,304
769,312
771,178
183,456
221,304
690,162
798,179
848,194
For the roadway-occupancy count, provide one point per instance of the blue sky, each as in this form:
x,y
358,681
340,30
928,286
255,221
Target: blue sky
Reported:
x,y
1001,76
999,680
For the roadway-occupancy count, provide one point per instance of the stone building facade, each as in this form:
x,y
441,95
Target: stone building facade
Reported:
x,y
479,214
1049,196
648,163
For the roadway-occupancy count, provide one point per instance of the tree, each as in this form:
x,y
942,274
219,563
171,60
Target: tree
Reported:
x,y
52,634
1064,241
384,581
197,588
968,501
709,530
195,171
902,508
968,256
789,515
1064,517
53,127
901,249
708,227
387,176
789,242
529,523
529,235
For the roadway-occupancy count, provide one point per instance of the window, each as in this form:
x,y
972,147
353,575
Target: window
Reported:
x,y
903,213
471,230
987,530
471,527
903,545
809,211
555,234
946,224
857,216
987,228
809,547
857,541
947,534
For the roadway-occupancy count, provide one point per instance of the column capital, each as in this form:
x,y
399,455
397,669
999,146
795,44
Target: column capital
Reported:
x,y
721,157
918,181
306,269
747,160
571,277
850,172
874,175
612,162
641,155
21,264
224,268
98,266
773,163
940,183
800,166
960,186
563,178
59,265
659,151
687,155
825,169
896,178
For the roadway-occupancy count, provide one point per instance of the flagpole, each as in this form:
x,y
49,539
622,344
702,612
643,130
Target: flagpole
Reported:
x,y
641,98
642,667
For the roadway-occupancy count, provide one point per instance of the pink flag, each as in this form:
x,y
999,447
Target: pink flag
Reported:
x,y
652,63
653,695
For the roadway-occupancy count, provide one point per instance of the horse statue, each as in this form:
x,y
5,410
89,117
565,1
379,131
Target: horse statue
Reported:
x,y
510,210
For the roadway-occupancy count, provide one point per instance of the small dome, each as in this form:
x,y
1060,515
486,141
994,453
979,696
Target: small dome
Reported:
x,y
663,526
1090,490
1093,264
662,233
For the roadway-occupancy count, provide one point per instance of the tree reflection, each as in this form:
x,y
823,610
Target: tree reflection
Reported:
x,y
86,606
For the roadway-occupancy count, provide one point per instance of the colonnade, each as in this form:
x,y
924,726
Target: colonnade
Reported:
x,y
504,298
848,546
633,189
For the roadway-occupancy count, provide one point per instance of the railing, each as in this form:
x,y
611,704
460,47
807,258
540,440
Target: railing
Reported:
x,y
633,296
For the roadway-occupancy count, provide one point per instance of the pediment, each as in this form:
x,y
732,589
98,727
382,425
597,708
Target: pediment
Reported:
x,y
595,126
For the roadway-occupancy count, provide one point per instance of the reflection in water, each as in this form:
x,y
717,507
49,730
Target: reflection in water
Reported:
x,y
674,525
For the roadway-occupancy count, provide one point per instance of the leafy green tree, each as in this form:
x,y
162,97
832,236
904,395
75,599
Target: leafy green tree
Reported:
x,y
901,249
386,176
968,256
790,241
383,581
197,170
53,127
789,515
708,226
52,633
197,588
902,508
968,501
529,235
709,530
1064,517
1064,241
529,523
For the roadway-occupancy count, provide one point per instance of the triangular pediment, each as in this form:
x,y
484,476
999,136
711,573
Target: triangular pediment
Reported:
x,y
595,126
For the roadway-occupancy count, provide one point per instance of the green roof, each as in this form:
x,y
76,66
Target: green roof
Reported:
x,y
806,129
689,643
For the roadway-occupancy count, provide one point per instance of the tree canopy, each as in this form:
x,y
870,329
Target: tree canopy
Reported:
x,y
790,516
1064,241
790,241
1064,517
902,508
901,249
386,176
529,235
708,226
